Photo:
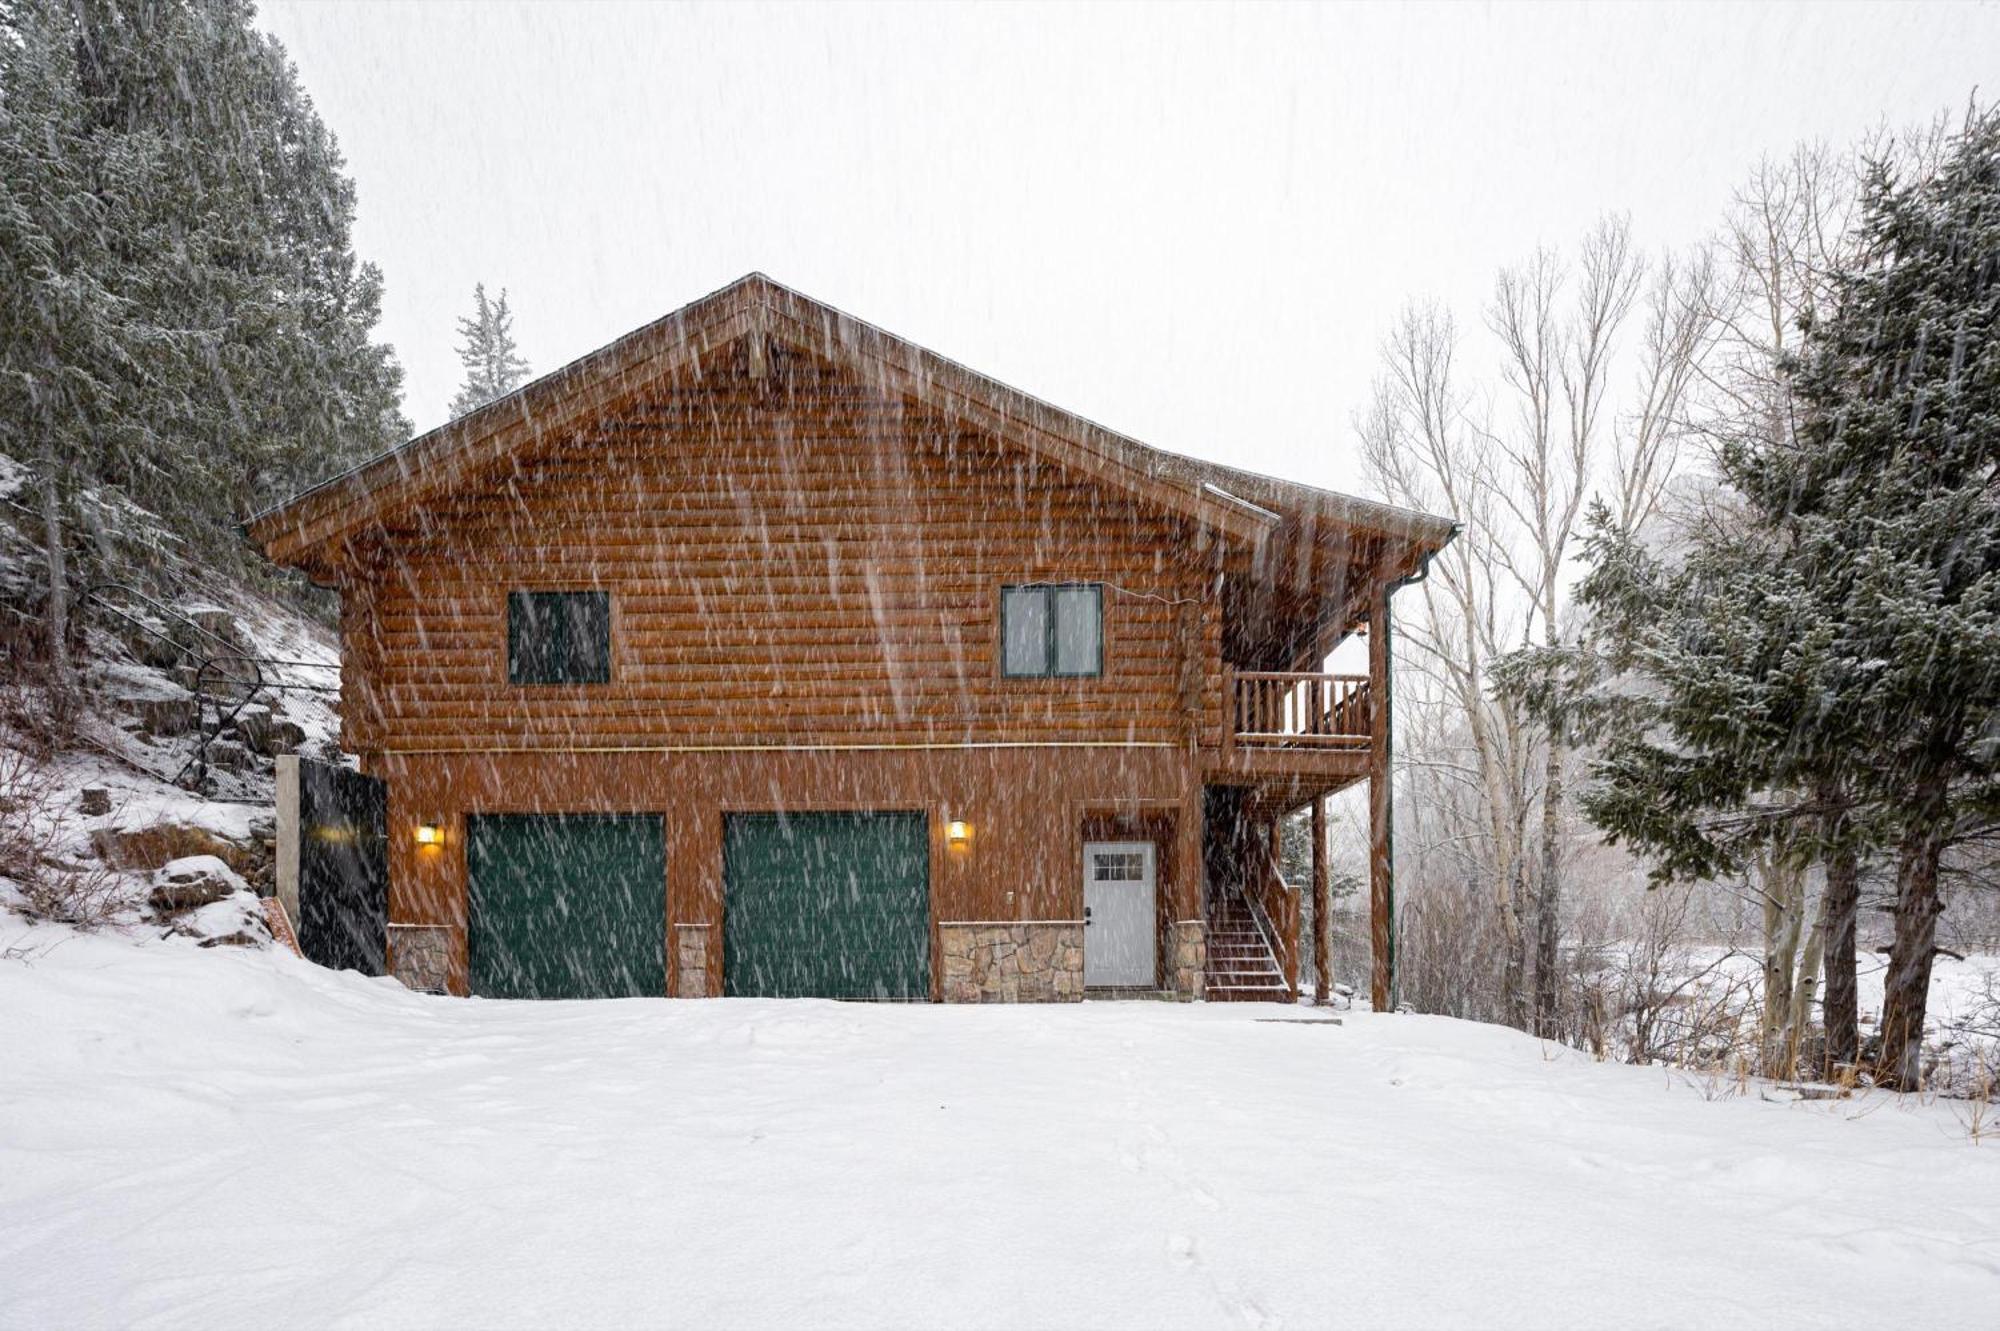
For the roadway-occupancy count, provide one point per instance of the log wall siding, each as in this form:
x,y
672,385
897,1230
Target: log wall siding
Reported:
x,y
1030,817
811,566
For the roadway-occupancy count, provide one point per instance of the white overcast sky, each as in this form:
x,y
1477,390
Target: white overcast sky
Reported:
x,y
1190,223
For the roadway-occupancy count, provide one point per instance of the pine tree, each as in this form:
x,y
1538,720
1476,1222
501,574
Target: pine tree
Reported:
x,y
1724,742
493,365
1891,496
193,189
70,337
1821,672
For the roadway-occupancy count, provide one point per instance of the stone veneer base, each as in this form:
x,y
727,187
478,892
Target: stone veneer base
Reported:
x,y
420,956
1029,961
1188,961
691,961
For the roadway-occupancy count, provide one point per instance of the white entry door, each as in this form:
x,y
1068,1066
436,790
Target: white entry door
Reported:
x,y
1118,913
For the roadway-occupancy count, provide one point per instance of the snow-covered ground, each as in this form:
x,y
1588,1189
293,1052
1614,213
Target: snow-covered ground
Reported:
x,y
235,1138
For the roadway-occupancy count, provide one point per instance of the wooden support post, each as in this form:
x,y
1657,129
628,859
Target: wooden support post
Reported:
x,y
1381,810
1190,868
1322,907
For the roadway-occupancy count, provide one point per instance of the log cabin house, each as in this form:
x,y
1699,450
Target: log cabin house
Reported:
x,y
762,652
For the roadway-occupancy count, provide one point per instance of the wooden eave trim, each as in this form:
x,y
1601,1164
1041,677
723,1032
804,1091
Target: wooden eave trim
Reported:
x,y
550,406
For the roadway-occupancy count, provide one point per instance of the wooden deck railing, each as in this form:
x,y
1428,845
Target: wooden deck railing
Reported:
x,y
1289,709
1274,904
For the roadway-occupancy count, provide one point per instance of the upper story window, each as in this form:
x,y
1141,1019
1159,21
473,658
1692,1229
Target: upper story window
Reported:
x,y
1052,629
558,637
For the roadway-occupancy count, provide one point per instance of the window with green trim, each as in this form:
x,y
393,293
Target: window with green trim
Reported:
x,y
1052,630
558,637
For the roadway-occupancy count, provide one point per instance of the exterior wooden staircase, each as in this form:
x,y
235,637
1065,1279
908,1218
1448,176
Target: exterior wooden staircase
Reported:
x,y
1242,967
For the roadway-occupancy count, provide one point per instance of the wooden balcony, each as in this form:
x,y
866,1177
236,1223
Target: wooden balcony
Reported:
x,y
1288,710
1293,736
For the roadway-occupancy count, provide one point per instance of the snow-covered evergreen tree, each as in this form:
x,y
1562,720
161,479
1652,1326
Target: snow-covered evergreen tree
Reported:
x,y
193,189
492,361
1821,672
1892,497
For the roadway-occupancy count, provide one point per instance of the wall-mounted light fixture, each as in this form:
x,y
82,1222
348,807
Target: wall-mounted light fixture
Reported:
x,y
430,834
958,834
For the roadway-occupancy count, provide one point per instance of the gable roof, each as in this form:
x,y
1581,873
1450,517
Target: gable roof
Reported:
x,y
1243,505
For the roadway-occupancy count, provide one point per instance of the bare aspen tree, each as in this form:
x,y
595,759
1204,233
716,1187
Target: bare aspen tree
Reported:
x,y
1677,340
1422,451
1517,460
1557,330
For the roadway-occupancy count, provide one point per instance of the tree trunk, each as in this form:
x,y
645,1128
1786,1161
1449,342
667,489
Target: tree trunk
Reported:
x,y
1548,910
1839,1002
1513,972
1781,886
1804,989
1906,988
62,672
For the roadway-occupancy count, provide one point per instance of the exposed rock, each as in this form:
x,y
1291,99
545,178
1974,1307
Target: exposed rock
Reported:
x,y
230,756
95,800
268,734
235,920
158,650
241,938
191,883
164,716
252,717
220,622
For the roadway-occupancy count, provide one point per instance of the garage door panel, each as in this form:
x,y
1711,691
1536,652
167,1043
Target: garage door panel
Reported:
x,y
827,905
567,906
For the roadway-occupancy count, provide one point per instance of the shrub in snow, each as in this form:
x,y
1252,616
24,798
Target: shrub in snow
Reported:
x,y
34,837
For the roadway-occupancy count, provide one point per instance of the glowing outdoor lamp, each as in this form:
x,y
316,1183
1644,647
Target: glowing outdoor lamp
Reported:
x,y
958,834
430,834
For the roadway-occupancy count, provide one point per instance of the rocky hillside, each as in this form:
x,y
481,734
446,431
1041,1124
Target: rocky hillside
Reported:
x,y
192,684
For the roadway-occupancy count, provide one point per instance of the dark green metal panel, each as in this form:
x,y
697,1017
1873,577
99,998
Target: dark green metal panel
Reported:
x,y
827,905
567,905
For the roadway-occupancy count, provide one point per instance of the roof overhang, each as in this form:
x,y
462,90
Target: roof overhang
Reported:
x,y
307,530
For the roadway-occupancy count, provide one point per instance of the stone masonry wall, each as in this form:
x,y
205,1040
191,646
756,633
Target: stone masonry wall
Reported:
x,y
691,958
1188,963
420,956
1028,962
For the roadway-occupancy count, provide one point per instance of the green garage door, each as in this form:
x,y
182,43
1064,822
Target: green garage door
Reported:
x,y
567,905
827,905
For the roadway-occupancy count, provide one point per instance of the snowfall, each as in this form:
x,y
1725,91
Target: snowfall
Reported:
x,y
233,1137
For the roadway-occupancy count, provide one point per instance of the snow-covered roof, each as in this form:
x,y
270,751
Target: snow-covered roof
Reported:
x,y
1243,504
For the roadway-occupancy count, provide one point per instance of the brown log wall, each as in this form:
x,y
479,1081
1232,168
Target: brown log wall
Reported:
x,y
1030,809
810,566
